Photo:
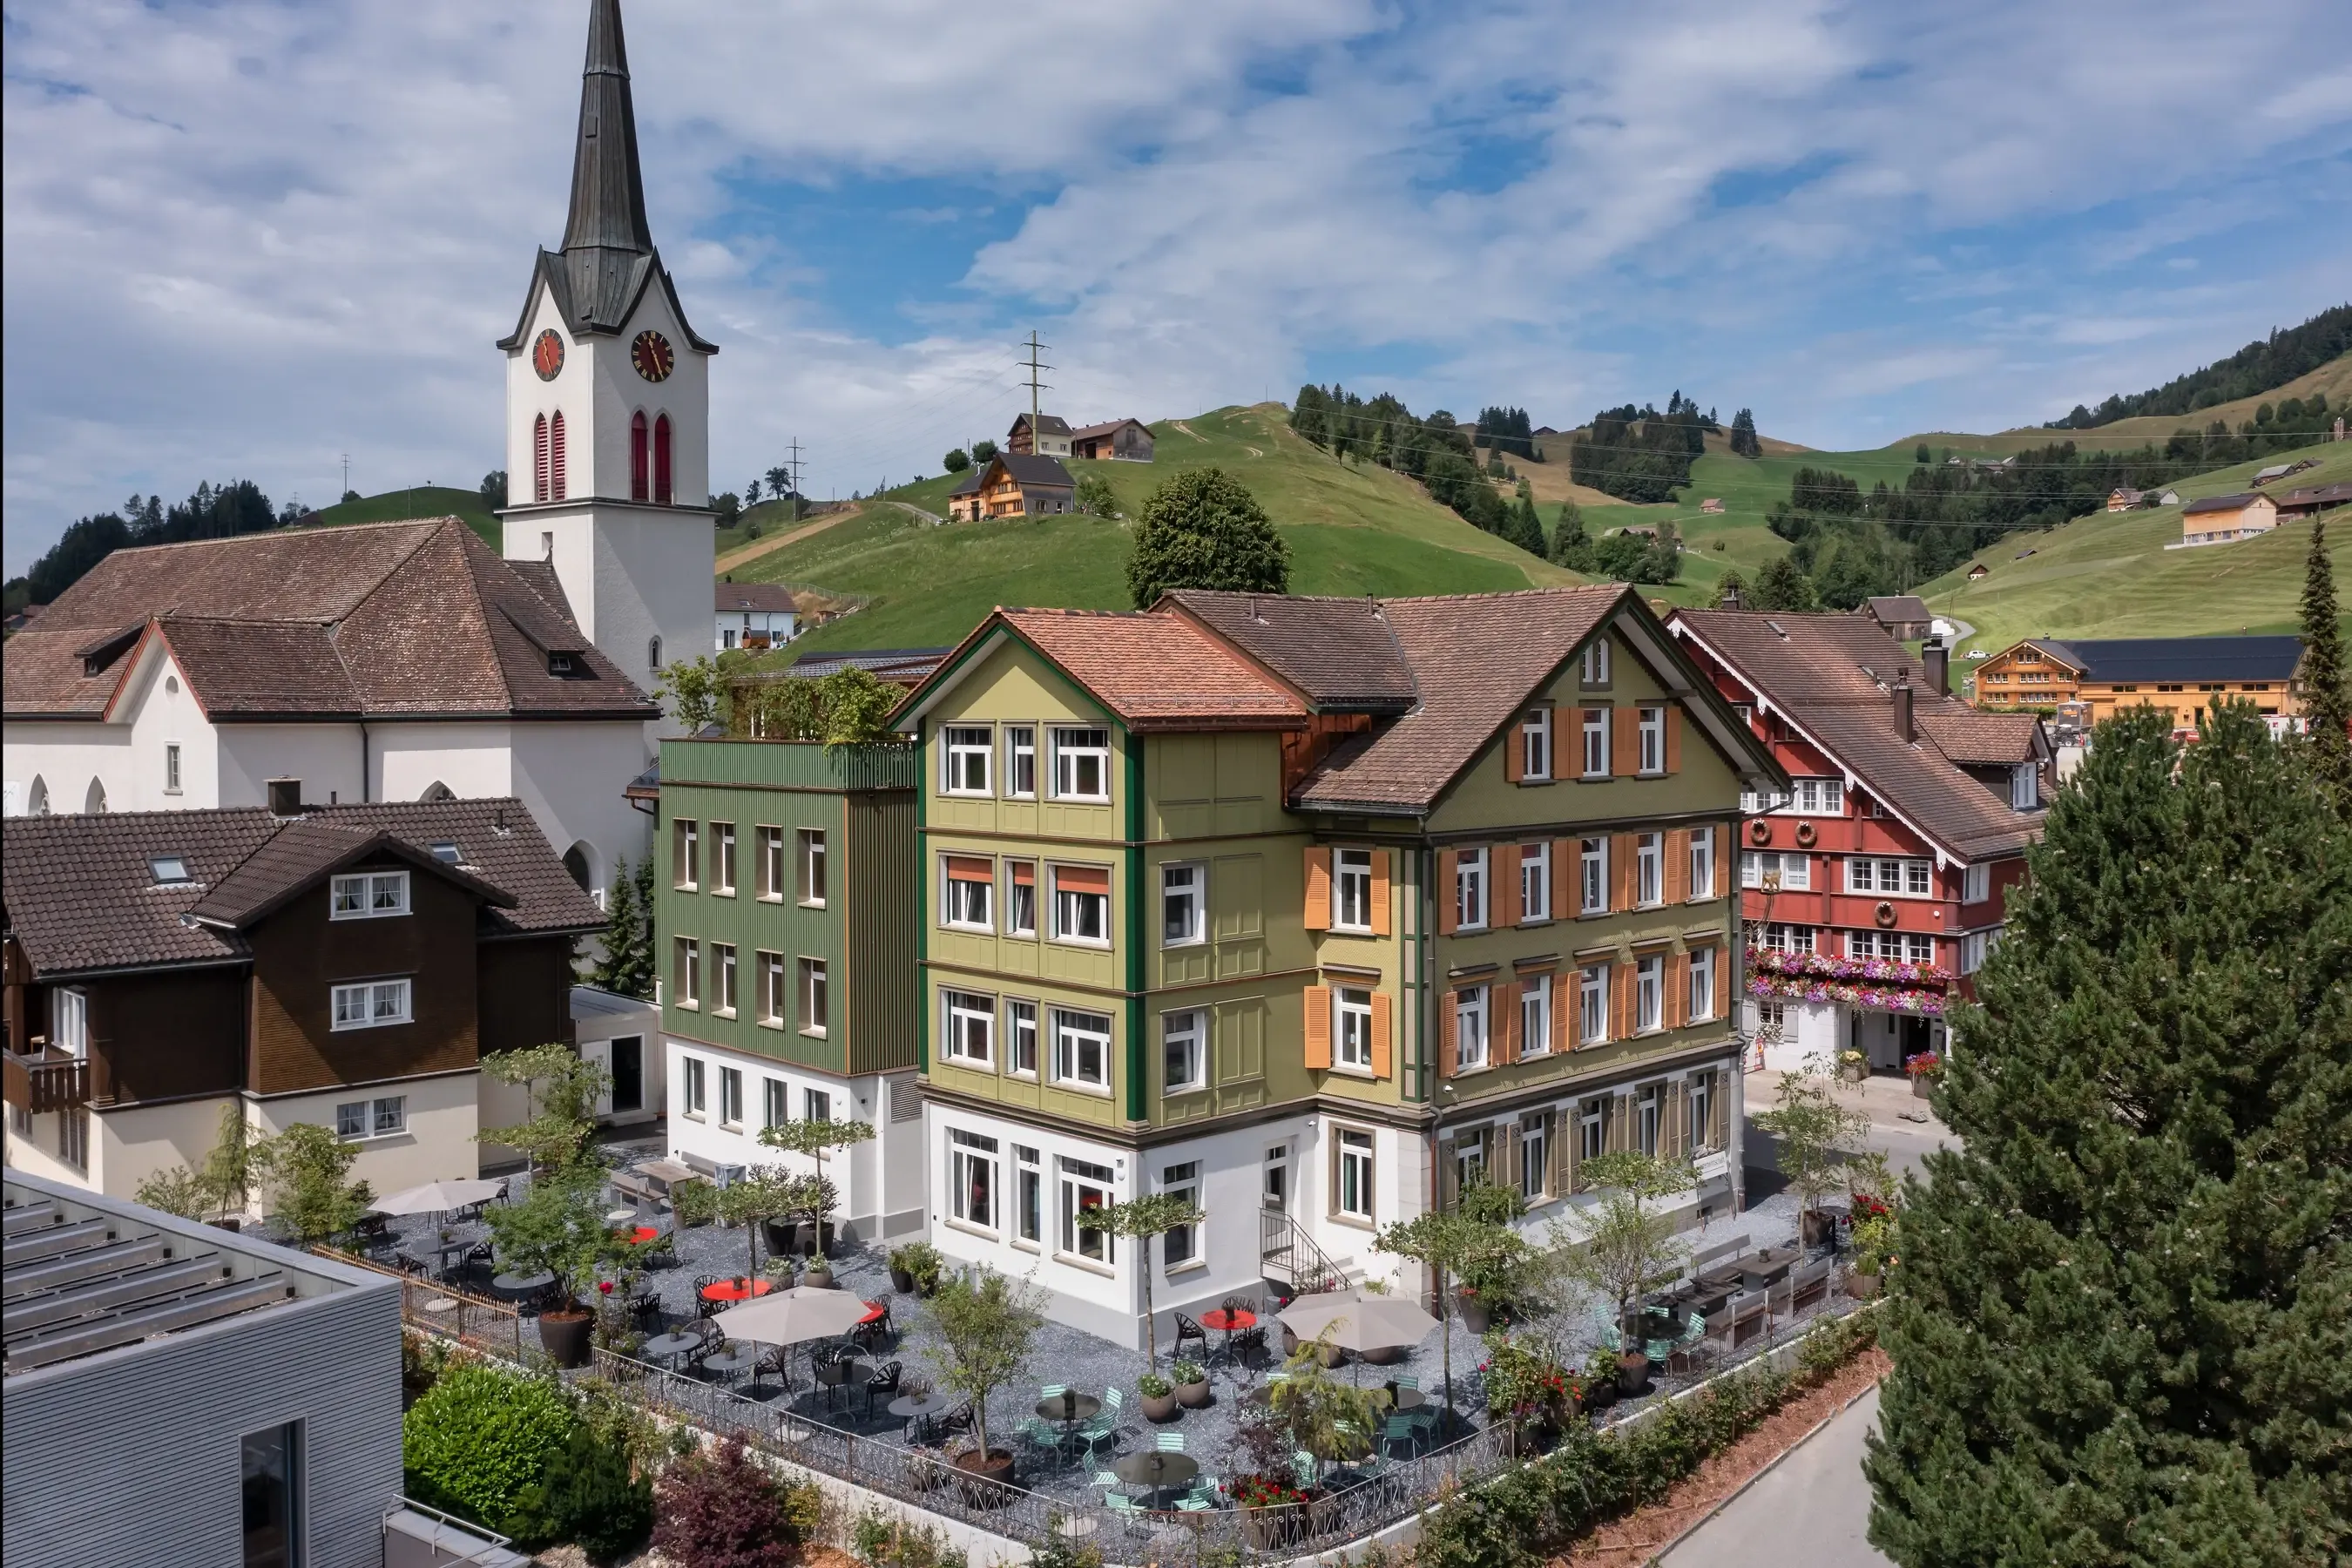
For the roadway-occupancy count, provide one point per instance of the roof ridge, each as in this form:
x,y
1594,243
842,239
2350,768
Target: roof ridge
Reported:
x,y
284,531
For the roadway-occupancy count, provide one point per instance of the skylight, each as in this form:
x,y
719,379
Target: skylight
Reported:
x,y
169,869
445,852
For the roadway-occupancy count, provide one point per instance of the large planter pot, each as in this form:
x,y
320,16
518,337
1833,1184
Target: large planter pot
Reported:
x,y
1632,1374
564,1336
902,1282
985,1479
781,1235
1820,1226
1922,1083
1159,1407
1386,1355
1194,1395
1475,1315
815,1239
1863,1287
1332,1354
1600,1394
818,1275
1853,1075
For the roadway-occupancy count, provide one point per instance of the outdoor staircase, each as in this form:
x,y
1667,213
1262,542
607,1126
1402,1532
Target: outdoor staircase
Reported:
x,y
1289,1257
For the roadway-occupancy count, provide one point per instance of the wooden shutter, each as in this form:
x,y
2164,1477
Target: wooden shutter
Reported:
x,y
1621,1124
1564,984
1448,905
1677,981
1449,1176
1620,1001
1502,1156
1719,1112
1560,1130
1503,897
1379,892
1318,1027
1622,860
1726,959
1674,736
1625,741
1564,872
1515,751
1675,1136
1318,887
1503,1021
1383,1026
1446,1034
1676,846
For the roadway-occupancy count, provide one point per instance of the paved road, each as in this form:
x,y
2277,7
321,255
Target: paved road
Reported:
x,y
1810,1510
1886,1100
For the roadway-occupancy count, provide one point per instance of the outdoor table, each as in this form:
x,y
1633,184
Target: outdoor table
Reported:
x,y
835,1375
620,1217
1069,1408
1404,1399
637,1235
1229,1323
1157,1471
735,1290
725,1363
921,1410
1767,1267
520,1284
670,1346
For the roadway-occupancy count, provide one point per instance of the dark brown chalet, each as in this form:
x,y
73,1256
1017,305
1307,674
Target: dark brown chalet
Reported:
x,y
345,965
1875,887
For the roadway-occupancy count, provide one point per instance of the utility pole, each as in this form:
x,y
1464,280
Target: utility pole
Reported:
x,y
1035,386
347,474
794,467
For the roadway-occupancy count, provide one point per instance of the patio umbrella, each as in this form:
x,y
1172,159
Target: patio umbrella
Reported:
x,y
1359,1321
438,1197
788,1317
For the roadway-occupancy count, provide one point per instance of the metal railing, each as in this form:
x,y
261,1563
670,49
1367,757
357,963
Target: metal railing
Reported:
x,y
1286,1252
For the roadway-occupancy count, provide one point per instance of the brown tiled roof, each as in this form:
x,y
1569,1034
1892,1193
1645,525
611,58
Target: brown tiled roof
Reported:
x,y
1474,659
413,618
299,854
754,596
1027,468
80,891
1047,424
1342,653
1898,607
1825,673
1089,432
1156,670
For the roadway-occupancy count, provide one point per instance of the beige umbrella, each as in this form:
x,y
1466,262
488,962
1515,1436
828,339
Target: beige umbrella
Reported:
x,y
789,1316
1357,1322
438,1197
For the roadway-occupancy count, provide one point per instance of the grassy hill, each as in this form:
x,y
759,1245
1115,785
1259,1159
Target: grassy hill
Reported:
x,y
1351,528
420,500
2333,378
2110,576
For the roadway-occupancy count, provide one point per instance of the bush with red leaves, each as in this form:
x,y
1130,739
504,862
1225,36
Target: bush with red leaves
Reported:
x,y
721,1510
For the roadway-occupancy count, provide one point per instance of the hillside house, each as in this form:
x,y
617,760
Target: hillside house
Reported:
x,y
2098,679
1979,571
2218,519
2310,499
2277,471
2123,499
1051,438
1012,484
1904,616
755,615
1123,440
1712,506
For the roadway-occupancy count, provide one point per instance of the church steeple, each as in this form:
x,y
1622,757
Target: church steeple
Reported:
x,y
608,192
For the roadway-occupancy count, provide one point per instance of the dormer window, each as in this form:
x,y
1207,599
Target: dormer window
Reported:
x,y
369,895
170,870
559,664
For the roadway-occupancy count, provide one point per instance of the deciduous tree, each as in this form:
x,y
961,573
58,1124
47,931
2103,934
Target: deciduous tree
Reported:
x,y
1203,529
1144,1220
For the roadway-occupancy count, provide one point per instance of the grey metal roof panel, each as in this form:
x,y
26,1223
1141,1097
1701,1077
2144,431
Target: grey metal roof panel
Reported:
x,y
2182,659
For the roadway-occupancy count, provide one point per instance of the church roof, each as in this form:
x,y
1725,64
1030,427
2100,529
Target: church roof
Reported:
x,y
609,258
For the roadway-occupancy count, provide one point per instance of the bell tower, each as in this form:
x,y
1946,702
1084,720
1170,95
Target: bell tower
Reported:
x,y
608,402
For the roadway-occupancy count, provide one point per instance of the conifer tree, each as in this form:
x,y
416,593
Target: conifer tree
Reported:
x,y
625,967
1570,546
2327,699
1203,529
1783,585
2117,1323
1743,435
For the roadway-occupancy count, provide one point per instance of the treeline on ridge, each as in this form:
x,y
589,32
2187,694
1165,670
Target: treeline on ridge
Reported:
x,y
213,511
1440,453
2259,367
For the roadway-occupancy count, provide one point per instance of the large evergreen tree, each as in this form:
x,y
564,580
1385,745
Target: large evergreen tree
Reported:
x,y
1570,546
2122,1321
2327,699
1203,529
1783,585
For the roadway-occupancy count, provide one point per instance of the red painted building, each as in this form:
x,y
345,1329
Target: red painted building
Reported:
x,y
1873,890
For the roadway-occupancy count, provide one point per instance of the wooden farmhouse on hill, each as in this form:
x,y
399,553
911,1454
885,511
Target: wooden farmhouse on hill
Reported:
x,y
1051,438
2218,519
1124,440
1013,484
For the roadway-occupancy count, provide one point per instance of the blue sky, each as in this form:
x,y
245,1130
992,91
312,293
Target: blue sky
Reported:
x,y
243,240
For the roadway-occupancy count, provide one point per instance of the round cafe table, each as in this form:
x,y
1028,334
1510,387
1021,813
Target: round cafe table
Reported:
x,y
637,1235
1069,1408
736,1290
1229,1323
520,1284
669,1347
1156,1471
909,1407
1406,1398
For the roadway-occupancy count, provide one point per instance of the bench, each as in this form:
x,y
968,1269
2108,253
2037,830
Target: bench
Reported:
x,y
1805,1284
1744,1312
1732,1247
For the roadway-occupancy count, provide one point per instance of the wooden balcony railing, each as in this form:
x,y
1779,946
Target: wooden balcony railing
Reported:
x,y
51,1080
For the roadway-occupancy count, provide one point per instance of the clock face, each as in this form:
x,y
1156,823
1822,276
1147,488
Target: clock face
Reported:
x,y
652,355
547,355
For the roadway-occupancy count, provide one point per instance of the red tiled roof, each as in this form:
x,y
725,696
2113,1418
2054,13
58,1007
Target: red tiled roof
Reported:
x,y
1156,670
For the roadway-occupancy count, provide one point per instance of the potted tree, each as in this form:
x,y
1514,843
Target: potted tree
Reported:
x,y
1143,1218
1476,1234
1623,1246
559,1229
915,1269
1159,1396
1815,1136
815,1198
756,1201
1192,1380
818,1137
986,1323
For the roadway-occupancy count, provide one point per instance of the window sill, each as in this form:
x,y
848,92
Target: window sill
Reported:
x,y
1335,929
722,1011
1197,1265
968,1064
1353,1221
1109,1271
1018,1076
1089,944
1535,783
372,1137
1080,799
1530,922
1072,1086
1349,1070
814,1034
968,793
1188,942
958,927
685,886
1176,1089
722,892
969,1228
804,903
777,1024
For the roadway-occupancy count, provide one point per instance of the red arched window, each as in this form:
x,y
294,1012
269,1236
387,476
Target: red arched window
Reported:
x,y
539,459
555,457
637,490
661,461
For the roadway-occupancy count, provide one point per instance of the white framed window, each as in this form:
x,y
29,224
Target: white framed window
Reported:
x,y
1352,1027
1351,890
1534,745
698,1101
1029,1197
1649,1118
1351,1192
170,767
1592,1130
775,1102
1806,797
812,868
1649,993
972,1029
1181,1246
368,895
1021,898
970,888
723,859
1649,870
2024,786
1183,905
1534,1014
1698,1004
1596,743
1470,1027
1978,885
731,1096
1535,1160
1470,1160
1184,1059
813,995
1700,1095
1081,764
386,1116
816,1105
1888,876
1976,946
1592,1004
1593,667
1702,864
1592,877
971,1179
372,1005
964,759
1082,904
685,852
722,977
1082,1049
771,854
1021,1038
1470,889
1652,730
1779,938
1535,882
1758,868
70,1020
1894,946
1084,1186
1021,761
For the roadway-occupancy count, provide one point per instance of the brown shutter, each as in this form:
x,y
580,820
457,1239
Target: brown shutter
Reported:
x,y
1678,983
1446,1034
1448,906
1621,1124
1676,846
1564,984
1503,1021
1383,1026
1726,959
1674,736
1674,1138
1625,741
1082,879
1620,871
1319,888
1379,892
1727,867
1563,878
1560,1130
1515,751
1620,1001
1502,866
1318,1027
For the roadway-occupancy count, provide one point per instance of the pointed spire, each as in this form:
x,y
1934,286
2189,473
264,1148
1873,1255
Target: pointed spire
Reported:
x,y
608,192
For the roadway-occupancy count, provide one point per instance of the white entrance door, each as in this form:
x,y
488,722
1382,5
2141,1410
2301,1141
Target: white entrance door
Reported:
x,y
599,1053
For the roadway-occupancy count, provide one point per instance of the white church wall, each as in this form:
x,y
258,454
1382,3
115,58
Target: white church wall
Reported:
x,y
571,776
55,762
325,757
473,759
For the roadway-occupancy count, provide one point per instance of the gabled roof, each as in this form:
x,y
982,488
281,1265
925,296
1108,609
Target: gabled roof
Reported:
x,y
2237,503
1048,424
1027,469
1829,675
376,620
2179,658
1341,653
1089,432
81,894
1892,607
754,596
971,481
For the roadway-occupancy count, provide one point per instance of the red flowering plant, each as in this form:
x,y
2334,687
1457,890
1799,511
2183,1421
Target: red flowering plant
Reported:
x,y
1524,1382
1926,1064
1261,1489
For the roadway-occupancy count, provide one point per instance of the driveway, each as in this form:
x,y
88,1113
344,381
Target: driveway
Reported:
x,y
1811,1509
1901,1125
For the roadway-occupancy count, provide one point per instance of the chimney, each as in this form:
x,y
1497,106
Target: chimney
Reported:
x,y
285,797
1938,658
1903,722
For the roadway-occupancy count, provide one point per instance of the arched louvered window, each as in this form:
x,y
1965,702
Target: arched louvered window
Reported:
x,y
653,653
661,461
555,457
539,459
638,482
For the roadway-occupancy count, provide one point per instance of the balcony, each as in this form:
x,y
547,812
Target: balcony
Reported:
x,y
45,1079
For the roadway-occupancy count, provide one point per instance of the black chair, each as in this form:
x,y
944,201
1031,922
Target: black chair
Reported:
x,y
1186,1328
703,1305
409,1263
777,1363
956,1422
883,1381
646,1307
866,1333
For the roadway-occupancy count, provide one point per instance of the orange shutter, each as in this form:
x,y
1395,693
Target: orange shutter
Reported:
x,y
1379,892
1726,869
1503,1021
1318,1027
1725,961
1676,846
1677,979
1503,866
1383,1024
1621,870
1515,751
1563,1009
1024,874
1448,906
1319,888
1621,1002
1563,878
1625,741
1082,879
1446,1034
1673,738
964,868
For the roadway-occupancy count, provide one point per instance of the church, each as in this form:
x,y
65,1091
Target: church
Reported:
x,y
410,660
